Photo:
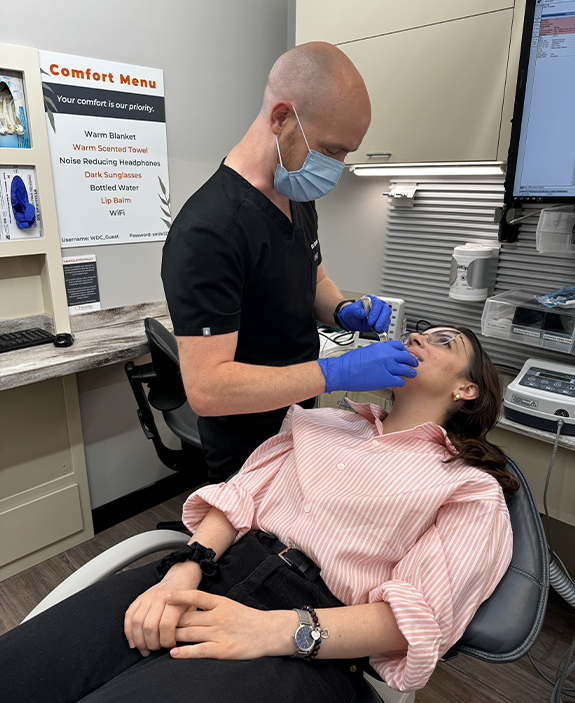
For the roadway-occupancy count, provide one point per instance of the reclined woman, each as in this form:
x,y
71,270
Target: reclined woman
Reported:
x,y
403,513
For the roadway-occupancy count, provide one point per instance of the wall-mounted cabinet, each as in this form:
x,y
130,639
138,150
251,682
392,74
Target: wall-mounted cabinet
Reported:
x,y
441,76
338,21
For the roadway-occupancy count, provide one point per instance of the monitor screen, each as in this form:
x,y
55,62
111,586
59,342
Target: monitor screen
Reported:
x,y
542,153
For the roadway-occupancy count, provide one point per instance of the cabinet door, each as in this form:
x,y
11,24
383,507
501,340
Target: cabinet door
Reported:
x,y
338,21
436,92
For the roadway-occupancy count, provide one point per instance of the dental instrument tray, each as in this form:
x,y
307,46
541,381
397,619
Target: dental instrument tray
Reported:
x,y
542,392
518,316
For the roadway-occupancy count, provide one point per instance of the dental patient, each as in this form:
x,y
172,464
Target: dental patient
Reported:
x,y
403,513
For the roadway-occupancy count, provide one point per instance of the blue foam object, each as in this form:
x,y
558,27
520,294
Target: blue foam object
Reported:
x,y
24,212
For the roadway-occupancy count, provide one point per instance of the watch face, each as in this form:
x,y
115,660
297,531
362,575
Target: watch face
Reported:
x,y
303,637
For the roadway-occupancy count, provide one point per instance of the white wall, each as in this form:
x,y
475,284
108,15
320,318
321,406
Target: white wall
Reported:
x,y
215,55
352,232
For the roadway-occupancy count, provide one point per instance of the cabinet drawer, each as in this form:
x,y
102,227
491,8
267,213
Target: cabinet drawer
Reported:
x,y
436,92
338,21
39,523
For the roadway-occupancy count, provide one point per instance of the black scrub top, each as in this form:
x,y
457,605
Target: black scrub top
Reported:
x,y
234,262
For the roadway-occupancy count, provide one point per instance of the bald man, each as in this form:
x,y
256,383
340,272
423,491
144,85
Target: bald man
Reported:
x,y
242,267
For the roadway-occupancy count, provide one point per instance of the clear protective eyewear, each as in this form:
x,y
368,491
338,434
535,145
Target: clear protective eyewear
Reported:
x,y
437,337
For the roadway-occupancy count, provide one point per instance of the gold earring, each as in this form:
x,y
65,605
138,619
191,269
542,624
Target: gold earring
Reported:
x,y
456,397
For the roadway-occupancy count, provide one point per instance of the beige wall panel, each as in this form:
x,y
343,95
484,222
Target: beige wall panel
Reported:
x,y
21,287
35,436
338,21
533,458
39,523
436,92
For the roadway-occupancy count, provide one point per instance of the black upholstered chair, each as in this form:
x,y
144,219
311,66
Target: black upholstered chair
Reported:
x,y
165,393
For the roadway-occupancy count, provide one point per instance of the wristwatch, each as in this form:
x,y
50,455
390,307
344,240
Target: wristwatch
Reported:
x,y
306,636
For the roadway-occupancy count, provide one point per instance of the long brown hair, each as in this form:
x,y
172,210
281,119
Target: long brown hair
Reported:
x,y
468,426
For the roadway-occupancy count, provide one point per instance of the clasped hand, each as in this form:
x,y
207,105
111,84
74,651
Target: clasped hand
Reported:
x,y
221,629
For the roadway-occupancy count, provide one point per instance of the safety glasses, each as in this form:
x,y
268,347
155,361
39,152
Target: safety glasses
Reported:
x,y
438,338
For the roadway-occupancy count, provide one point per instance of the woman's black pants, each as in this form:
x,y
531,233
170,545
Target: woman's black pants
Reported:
x,y
77,651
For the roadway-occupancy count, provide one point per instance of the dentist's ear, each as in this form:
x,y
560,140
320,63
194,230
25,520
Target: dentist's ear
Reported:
x,y
279,113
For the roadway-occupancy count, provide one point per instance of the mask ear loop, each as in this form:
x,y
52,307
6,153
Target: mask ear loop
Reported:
x,y
299,123
279,152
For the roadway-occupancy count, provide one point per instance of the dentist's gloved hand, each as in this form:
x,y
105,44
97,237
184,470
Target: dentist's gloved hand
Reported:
x,y
370,368
353,317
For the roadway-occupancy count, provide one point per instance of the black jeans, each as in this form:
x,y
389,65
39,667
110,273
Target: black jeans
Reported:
x,y
76,650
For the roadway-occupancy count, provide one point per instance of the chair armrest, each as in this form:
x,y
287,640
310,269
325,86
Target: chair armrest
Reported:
x,y
373,690
111,561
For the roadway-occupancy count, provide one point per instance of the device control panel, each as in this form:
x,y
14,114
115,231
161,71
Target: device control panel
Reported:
x,y
550,381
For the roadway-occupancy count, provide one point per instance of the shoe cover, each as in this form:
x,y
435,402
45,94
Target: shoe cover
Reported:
x,y
24,212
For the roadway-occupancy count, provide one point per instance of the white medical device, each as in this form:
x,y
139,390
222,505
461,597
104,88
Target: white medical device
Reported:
x,y
542,392
397,325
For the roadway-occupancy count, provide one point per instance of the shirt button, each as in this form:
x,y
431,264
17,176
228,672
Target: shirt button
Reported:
x,y
341,466
375,443
307,508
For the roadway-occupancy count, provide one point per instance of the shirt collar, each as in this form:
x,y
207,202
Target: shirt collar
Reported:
x,y
428,430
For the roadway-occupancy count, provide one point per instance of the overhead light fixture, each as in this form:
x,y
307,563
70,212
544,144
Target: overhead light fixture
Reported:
x,y
454,168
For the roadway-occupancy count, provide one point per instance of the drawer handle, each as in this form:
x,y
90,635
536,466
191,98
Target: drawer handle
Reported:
x,y
378,153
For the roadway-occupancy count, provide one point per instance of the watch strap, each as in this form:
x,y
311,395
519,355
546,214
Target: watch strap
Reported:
x,y
338,307
304,617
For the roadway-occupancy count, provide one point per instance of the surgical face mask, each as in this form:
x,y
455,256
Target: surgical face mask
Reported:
x,y
316,178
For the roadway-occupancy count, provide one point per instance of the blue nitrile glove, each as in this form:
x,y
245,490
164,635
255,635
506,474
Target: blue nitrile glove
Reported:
x,y
352,317
370,368
24,212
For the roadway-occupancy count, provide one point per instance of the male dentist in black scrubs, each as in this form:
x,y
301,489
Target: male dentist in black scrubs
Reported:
x,y
243,273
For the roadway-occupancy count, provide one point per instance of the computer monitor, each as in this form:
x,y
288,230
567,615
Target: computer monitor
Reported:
x,y
541,162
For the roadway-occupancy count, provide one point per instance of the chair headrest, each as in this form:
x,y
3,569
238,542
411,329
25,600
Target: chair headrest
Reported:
x,y
167,390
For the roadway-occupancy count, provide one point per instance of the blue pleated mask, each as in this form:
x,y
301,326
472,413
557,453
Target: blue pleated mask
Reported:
x,y
316,178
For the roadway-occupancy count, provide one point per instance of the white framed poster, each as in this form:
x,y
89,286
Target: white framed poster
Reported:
x,y
107,136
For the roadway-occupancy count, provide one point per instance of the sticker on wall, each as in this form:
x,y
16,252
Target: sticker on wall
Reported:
x,y
19,211
81,279
107,135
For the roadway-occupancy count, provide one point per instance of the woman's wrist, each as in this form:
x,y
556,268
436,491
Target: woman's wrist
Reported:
x,y
278,628
190,571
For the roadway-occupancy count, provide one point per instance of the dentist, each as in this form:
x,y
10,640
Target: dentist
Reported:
x,y
243,273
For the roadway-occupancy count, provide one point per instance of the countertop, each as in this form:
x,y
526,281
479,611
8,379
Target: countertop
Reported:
x,y
101,338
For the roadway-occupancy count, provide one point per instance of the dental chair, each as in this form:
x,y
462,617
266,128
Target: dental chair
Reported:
x,y
503,629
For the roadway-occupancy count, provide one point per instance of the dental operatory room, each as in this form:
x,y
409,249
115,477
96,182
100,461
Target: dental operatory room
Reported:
x,y
287,351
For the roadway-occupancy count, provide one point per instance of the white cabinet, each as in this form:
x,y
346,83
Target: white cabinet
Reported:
x,y
441,75
339,21
437,91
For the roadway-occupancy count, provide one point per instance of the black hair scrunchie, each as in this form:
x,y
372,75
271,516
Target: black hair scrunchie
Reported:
x,y
190,552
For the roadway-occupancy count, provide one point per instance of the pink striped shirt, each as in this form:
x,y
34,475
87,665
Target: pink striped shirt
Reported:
x,y
384,518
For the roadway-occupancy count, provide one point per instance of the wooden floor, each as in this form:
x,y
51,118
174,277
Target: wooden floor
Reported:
x,y
462,680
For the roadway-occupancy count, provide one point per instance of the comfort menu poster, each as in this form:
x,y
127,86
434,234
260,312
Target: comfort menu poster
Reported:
x,y
107,135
